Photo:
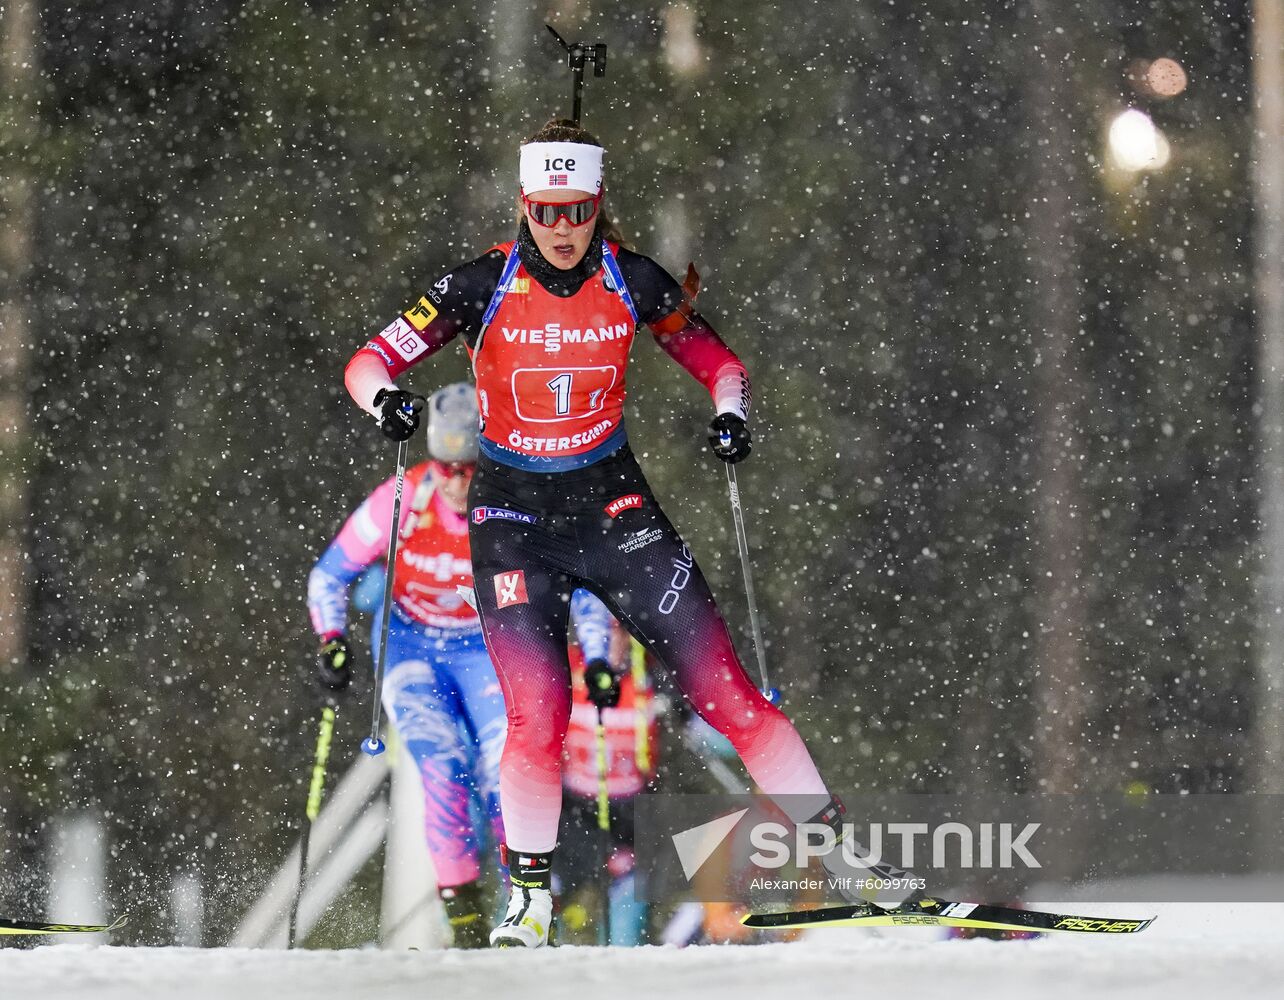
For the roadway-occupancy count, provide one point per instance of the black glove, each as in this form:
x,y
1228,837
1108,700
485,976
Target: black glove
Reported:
x,y
602,683
398,412
334,664
729,438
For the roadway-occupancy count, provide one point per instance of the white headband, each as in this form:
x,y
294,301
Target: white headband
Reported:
x,y
575,166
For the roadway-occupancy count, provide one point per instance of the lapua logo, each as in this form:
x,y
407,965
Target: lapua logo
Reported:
x,y
510,588
483,514
624,503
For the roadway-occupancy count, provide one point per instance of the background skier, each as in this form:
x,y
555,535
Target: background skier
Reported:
x,y
618,688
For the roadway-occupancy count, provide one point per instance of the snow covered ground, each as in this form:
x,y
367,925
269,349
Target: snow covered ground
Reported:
x,y
1217,951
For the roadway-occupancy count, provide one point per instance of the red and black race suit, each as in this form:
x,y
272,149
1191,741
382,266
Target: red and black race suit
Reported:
x,y
536,537
546,519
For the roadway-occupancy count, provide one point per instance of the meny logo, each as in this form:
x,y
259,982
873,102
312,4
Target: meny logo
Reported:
x,y
624,503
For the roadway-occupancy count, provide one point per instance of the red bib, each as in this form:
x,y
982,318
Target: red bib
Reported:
x,y
432,560
550,370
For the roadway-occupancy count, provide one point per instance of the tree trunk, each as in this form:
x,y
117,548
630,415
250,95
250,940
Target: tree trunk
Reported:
x,y
1268,177
18,66
1052,310
19,51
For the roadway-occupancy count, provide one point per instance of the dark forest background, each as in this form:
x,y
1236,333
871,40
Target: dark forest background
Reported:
x,y
1002,499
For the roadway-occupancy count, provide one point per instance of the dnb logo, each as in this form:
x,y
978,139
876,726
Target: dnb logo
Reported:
x,y
510,588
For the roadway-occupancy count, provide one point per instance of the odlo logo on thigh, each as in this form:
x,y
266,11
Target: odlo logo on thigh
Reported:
x,y
510,588
682,563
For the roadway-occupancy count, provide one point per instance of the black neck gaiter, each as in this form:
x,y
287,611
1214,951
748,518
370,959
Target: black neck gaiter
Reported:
x,y
561,283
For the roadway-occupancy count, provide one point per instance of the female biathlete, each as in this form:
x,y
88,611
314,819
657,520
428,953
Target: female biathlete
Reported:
x,y
440,688
559,502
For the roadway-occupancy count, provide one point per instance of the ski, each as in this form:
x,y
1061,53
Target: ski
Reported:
x,y
944,913
30,927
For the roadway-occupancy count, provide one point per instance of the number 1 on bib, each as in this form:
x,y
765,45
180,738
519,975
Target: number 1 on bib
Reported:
x,y
561,387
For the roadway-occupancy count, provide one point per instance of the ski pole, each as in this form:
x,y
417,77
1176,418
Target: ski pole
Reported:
x,y
319,761
373,745
604,827
743,543
641,717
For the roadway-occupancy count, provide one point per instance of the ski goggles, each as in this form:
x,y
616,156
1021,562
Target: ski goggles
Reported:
x,y
546,213
452,470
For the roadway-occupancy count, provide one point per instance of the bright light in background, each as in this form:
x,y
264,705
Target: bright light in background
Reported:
x,y
1157,79
1165,78
1135,143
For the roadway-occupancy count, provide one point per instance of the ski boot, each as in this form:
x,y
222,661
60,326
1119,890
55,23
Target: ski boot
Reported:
x,y
464,905
528,921
878,885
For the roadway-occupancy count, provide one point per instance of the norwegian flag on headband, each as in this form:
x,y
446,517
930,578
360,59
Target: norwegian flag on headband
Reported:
x,y
557,180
